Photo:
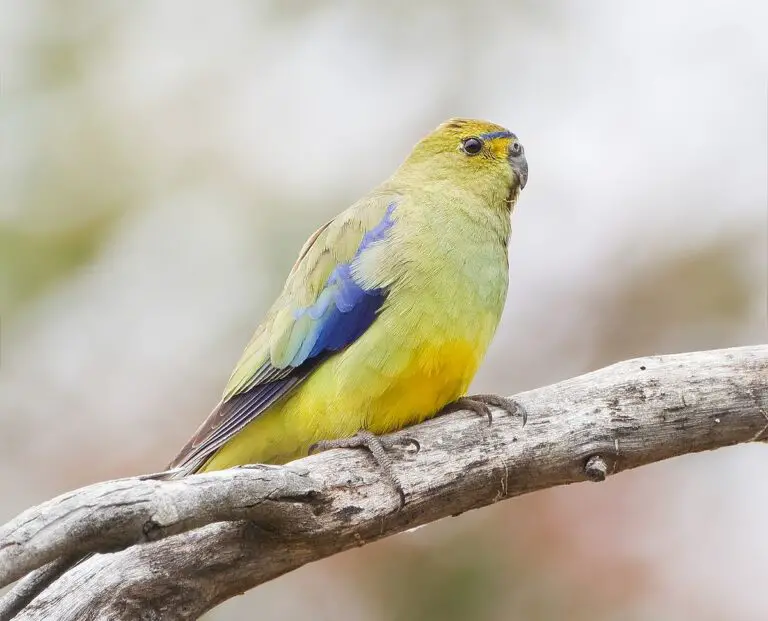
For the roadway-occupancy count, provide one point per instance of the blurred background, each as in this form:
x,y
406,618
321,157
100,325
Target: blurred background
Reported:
x,y
163,162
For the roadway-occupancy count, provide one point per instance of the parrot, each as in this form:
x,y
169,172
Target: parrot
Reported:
x,y
384,318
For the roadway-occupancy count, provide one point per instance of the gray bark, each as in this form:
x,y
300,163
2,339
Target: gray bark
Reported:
x,y
190,544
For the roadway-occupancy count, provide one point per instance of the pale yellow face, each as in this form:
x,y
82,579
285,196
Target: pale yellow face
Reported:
x,y
471,150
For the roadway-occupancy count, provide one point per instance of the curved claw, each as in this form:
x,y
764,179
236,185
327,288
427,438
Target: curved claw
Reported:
x,y
474,405
484,410
508,405
410,442
401,495
480,403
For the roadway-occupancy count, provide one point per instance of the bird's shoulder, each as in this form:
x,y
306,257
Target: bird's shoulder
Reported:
x,y
337,242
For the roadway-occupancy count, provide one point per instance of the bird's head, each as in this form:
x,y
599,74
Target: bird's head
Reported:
x,y
476,155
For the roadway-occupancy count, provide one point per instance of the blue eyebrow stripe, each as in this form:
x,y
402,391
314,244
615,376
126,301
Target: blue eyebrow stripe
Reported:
x,y
494,135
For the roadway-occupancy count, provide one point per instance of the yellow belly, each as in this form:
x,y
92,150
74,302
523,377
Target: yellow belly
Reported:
x,y
381,390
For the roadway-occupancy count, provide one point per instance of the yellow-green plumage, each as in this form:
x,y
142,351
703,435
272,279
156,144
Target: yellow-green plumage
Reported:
x,y
434,258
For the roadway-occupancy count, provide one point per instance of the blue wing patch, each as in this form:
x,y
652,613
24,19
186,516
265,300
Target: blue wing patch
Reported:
x,y
344,309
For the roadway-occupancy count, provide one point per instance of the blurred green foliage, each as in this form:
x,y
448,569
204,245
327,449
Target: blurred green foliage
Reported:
x,y
33,261
462,580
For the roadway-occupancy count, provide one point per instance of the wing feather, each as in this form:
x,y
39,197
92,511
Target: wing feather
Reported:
x,y
321,310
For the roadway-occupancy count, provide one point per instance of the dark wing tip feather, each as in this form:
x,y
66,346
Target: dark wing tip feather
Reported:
x,y
230,416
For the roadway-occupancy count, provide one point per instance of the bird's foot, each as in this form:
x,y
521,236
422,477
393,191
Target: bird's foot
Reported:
x,y
378,447
480,405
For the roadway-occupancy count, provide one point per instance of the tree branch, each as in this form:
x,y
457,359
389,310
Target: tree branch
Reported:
x,y
193,543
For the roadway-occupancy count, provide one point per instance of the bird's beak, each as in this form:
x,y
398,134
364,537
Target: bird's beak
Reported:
x,y
520,166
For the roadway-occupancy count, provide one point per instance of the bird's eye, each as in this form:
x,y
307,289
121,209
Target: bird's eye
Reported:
x,y
472,146
516,148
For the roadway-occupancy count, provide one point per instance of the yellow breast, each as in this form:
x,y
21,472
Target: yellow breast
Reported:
x,y
435,376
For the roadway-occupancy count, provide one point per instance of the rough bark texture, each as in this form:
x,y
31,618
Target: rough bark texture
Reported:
x,y
192,543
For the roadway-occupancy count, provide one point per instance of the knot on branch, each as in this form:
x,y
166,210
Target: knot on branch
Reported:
x,y
596,469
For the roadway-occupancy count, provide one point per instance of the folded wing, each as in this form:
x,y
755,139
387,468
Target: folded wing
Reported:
x,y
322,309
